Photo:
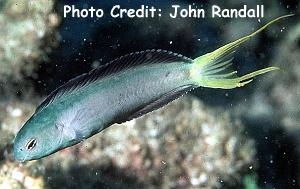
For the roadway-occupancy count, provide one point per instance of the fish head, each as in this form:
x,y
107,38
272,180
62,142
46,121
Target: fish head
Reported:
x,y
37,138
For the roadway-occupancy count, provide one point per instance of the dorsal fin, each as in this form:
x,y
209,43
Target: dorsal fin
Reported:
x,y
120,64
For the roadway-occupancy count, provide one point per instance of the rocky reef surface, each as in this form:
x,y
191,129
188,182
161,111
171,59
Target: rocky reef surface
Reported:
x,y
27,34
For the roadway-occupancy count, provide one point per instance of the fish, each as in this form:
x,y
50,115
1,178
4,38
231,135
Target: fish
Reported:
x,y
124,89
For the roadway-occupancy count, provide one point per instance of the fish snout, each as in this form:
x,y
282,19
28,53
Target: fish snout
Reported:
x,y
19,154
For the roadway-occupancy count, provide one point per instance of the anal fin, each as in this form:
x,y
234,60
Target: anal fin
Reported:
x,y
158,103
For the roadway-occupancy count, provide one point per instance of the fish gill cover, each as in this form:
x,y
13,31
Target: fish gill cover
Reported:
x,y
242,138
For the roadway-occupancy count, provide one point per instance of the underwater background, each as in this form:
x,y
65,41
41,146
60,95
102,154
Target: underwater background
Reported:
x,y
242,138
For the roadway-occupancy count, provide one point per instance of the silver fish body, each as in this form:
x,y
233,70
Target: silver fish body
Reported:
x,y
88,106
94,107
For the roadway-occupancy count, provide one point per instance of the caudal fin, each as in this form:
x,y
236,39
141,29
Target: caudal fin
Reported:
x,y
214,69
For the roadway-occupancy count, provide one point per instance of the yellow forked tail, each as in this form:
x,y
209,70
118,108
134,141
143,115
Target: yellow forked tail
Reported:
x,y
214,69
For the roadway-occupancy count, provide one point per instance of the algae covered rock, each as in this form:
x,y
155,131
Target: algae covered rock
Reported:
x,y
16,176
184,145
27,37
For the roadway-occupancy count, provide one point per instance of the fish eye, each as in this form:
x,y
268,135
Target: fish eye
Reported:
x,y
31,144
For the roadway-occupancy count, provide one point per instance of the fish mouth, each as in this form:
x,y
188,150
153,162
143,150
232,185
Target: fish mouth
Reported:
x,y
18,155
21,159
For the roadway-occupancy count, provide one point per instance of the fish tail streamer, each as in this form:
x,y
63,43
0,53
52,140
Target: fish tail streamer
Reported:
x,y
215,70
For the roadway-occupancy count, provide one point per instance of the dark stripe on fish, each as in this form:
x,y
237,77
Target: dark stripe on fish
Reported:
x,y
158,103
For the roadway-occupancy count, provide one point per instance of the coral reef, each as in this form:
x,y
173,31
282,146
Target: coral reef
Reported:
x,y
184,145
14,176
27,37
